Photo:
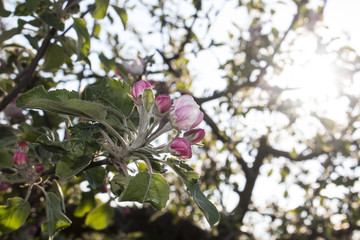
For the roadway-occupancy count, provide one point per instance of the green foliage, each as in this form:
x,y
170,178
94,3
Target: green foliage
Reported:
x,y
83,43
146,187
67,168
56,219
13,215
5,159
54,57
207,208
52,20
9,34
100,9
100,217
122,14
86,204
62,102
96,177
111,92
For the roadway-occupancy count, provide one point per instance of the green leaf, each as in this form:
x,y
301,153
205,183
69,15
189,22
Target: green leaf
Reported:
x,y
55,56
100,9
87,203
33,41
13,215
9,34
85,130
100,217
5,159
56,219
118,183
96,30
122,14
108,64
190,177
53,20
148,98
62,102
83,46
95,177
3,11
207,208
67,168
147,188
110,92
32,4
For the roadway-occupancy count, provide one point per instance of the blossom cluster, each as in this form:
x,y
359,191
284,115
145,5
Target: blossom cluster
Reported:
x,y
184,115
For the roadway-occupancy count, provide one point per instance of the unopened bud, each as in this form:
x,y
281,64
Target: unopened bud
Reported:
x,y
39,168
195,135
181,147
138,88
4,186
24,146
135,67
20,158
186,114
163,103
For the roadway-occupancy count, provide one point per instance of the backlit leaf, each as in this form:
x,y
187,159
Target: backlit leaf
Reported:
x,y
13,215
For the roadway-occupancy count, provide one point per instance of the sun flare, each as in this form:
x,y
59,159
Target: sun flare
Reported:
x,y
312,80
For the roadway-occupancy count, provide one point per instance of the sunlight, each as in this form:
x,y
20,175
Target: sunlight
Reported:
x,y
312,80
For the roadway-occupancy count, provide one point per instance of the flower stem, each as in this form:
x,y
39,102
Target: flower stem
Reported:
x,y
117,135
166,128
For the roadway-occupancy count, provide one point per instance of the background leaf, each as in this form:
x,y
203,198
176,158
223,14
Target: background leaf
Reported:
x,y
100,9
13,215
83,46
56,219
95,176
52,20
54,57
122,14
87,203
100,217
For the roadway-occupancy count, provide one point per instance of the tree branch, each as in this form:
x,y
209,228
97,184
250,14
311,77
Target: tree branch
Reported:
x,y
270,62
26,76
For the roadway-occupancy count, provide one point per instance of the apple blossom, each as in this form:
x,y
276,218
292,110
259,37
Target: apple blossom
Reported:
x,y
138,88
185,114
163,103
181,147
136,67
195,135
20,158
24,146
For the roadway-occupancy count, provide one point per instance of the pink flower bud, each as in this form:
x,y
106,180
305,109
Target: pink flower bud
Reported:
x,y
24,146
195,135
39,168
163,103
138,88
186,114
136,67
181,147
20,158
4,186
